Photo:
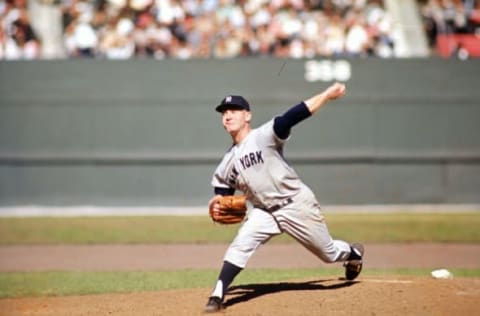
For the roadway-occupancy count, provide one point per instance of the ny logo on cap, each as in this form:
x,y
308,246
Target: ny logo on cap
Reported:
x,y
228,99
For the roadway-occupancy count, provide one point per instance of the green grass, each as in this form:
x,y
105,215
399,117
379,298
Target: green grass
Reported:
x,y
396,228
406,227
30,284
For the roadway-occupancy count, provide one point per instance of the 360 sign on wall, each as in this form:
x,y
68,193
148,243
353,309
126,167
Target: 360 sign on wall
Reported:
x,y
327,70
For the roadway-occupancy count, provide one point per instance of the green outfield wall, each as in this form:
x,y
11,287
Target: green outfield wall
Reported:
x,y
144,132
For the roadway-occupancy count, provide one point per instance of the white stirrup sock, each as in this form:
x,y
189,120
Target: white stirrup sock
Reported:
x,y
218,291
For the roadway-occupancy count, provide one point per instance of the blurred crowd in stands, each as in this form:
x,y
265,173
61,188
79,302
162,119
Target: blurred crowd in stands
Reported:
x,y
450,17
122,29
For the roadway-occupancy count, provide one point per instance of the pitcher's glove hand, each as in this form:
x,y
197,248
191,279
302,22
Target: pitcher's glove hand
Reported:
x,y
228,209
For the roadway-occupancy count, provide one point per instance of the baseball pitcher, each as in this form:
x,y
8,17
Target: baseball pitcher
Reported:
x,y
281,202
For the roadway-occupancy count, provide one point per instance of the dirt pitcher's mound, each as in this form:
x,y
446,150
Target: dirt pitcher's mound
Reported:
x,y
384,295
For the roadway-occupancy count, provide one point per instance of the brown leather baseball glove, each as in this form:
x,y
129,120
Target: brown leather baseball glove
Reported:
x,y
231,209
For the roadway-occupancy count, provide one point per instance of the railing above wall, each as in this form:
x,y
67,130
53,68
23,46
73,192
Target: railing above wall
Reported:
x,y
210,159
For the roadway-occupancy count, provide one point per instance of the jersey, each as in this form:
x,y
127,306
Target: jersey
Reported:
x,y
256,166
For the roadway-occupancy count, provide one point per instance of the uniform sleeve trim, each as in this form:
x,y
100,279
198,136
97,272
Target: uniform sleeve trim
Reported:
x,y
224,191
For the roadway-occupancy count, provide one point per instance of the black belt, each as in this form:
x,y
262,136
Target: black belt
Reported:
x,y
280,205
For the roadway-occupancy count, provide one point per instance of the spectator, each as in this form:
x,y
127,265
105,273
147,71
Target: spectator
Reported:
x,y
357,40
474,19
82,39
335,36
116,40
17,37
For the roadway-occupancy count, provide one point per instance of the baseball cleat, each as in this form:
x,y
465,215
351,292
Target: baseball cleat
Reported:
x,y
354,267
214,304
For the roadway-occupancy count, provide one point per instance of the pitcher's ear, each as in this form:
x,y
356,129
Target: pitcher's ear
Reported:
x,y
249,116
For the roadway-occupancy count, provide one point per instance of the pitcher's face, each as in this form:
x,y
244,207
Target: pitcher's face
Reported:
x,y
235,120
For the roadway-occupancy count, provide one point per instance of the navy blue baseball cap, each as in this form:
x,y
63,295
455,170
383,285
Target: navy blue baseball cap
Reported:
x,y
233,102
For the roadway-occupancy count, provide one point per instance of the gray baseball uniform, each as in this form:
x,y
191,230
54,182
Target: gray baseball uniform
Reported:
x,y
281,201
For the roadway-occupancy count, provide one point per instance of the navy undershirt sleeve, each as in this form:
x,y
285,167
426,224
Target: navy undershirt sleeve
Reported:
x,y
282,124
224,191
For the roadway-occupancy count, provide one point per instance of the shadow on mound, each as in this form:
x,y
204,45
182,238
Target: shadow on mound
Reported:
x,y
246,292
